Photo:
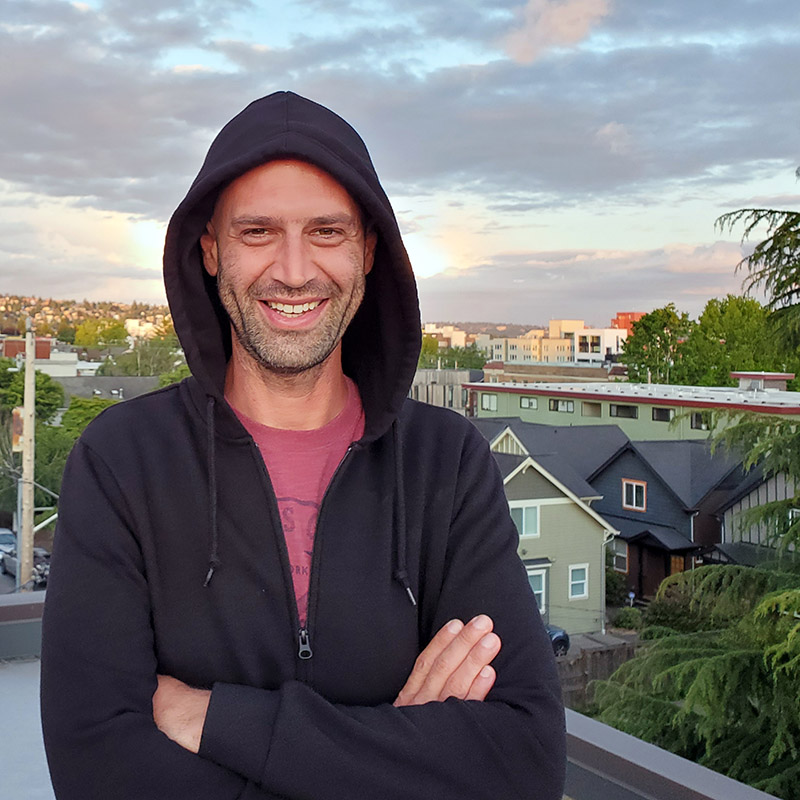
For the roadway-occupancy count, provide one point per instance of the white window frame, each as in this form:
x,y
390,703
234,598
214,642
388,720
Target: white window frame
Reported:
x,y
526,401
626,482
543,572
619,550
488,401
584,581
527,506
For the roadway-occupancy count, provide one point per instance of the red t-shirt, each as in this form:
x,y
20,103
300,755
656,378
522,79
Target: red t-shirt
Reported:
x,y
301,465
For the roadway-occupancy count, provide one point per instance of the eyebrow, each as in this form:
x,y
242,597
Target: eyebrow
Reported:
x,y
268,222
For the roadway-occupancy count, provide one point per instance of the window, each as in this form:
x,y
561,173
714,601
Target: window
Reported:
x,y
619,550
488,401
538,581
589,409
526,517
528,402
634,495
566,406
663,414
626,412
578,581
700,420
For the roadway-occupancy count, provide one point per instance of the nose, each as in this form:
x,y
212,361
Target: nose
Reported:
x,y
293,265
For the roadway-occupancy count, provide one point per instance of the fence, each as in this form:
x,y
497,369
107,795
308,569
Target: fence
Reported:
x,y
596,663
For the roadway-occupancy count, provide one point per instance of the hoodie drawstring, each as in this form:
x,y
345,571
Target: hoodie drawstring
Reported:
x,y
400,574
213,559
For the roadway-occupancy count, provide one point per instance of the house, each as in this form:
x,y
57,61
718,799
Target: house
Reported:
x,y
662,497
744,540
562,539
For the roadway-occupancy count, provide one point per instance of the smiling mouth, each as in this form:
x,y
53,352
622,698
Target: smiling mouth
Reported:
x,y
293,309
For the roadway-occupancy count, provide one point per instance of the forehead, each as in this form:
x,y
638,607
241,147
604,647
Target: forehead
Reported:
x,y
287,188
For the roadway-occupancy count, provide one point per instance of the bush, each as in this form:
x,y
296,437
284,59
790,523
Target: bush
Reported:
x,y
629,617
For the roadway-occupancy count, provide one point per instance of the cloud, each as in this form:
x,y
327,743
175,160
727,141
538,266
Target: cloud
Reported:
x,y
552,23
531,287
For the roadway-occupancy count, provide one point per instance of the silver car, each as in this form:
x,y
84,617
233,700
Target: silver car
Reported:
x,y
41,565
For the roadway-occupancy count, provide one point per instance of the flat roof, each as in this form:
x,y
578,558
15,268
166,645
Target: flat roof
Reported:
x,y
765,400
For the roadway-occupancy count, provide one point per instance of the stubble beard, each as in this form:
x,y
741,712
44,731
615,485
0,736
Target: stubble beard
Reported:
x,y
289,352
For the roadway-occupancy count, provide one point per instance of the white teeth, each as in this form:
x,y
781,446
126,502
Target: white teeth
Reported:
x,y
286,308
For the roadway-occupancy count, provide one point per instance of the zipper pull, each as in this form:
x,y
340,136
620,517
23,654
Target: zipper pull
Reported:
x,y
305,645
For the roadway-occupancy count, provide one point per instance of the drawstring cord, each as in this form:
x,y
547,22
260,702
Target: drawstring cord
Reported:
x,y
213,559
400,574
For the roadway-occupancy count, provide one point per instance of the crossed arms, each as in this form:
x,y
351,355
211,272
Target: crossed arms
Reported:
x,y
456,663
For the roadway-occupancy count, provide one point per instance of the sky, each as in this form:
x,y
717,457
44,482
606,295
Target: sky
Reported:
x,y
545,158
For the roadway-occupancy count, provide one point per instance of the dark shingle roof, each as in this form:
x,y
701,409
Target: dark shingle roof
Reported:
x,y
584,447
507,463
661,535
688,467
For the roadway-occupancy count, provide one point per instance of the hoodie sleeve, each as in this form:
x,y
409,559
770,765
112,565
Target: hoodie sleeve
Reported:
x,y
98,660
297,744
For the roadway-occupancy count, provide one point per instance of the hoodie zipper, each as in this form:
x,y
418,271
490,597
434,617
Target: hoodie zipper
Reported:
x,y
304,650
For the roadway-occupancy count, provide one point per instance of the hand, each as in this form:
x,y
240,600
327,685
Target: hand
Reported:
x,y
454,664
180,711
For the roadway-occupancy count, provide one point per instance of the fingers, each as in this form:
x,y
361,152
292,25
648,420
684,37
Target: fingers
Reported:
x,y
463,676
422,666
452,665
482,684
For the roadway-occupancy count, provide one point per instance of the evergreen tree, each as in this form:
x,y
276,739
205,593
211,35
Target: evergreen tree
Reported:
x,y
725,697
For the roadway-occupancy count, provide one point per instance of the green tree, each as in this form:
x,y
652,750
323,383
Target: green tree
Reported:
x,y
774,263
652,352
81,411
174,376
429,353
49,393
724,696
65,333
87,334
731,334
148,357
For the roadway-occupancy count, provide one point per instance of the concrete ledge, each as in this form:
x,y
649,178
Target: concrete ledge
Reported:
x,y
21,624
604,762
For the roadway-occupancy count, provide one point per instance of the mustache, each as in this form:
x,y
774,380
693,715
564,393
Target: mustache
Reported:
x,y
277,290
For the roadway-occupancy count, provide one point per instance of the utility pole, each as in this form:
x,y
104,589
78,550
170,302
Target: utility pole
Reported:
x,y
25,534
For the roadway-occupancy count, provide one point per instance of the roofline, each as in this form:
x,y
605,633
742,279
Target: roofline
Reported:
x,y
507,430
531,462
628,400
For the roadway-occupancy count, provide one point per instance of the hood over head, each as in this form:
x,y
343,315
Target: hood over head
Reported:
x,y
381,345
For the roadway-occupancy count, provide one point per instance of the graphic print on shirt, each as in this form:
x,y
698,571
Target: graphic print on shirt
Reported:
x,y
299,520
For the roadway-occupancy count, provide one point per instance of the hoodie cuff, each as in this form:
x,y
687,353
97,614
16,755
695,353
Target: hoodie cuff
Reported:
x,y
238,729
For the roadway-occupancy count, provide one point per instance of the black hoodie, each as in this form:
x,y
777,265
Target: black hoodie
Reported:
x,y
170,558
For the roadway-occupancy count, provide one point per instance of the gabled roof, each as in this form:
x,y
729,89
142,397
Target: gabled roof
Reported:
x,y
662,536
529,462
560,469
689,468
584,447
507,463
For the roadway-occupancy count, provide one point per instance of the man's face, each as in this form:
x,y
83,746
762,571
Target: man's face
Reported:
x,y
290,253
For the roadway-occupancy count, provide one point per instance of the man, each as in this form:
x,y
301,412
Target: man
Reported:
x,y
282,578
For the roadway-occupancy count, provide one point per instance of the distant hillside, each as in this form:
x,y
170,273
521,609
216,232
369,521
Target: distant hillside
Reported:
x,y
498,329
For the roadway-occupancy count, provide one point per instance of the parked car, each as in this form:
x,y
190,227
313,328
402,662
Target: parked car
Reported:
x,y
559,639
41,564
7,541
